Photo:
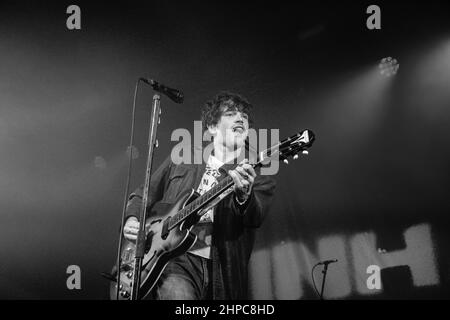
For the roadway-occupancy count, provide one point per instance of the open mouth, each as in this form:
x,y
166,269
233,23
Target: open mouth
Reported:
x,y
239,129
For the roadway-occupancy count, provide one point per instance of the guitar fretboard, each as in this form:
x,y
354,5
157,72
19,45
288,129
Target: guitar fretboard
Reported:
x,y
201,201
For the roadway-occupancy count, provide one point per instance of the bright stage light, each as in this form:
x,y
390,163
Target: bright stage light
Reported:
x,y
388,66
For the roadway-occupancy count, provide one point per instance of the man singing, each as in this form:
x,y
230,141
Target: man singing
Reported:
x,y
216,266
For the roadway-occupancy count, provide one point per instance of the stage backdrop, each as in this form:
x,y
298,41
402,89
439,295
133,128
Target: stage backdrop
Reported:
x,y
372,193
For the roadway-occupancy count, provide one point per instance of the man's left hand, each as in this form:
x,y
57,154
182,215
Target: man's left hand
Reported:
x,y
243,176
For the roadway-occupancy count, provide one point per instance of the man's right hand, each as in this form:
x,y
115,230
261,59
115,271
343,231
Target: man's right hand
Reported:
x,y
131,228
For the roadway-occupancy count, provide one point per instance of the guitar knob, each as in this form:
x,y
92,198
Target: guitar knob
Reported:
x,y
305,152
286,161
295,157
130,274
124,294
120,286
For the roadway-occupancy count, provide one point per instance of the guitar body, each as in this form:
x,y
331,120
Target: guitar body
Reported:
x,y
158,250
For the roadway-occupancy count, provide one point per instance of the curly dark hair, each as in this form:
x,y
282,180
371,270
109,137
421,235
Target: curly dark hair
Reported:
x,y
213,109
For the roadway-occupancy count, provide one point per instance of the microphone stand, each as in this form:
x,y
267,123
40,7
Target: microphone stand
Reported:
x,y
178,97
324,272
141,236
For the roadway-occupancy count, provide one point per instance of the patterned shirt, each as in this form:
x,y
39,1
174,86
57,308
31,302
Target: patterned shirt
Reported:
x,y
203,229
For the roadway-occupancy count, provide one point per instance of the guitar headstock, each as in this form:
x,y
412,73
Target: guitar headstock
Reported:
x,y
298,143
290,147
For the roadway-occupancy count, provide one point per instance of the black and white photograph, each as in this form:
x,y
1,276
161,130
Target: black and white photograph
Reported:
x,y
241,151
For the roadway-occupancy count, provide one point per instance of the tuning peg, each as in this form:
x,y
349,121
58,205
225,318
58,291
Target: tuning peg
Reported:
x,y
286,161
295,157
305,152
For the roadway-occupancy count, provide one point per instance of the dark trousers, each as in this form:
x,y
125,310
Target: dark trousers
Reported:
x,y
186,277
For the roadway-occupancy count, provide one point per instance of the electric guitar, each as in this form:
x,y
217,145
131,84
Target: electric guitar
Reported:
x,y
169,235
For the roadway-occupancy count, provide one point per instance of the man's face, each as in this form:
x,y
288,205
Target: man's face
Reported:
x,y
232,129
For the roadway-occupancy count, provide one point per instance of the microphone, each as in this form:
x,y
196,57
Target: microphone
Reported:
x,y
174,94
327,262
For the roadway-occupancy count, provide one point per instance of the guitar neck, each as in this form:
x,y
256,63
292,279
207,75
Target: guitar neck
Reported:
x,y
202,201
291,146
